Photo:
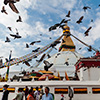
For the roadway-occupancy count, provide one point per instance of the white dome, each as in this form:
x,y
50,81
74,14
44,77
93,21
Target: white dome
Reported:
x,y
59,60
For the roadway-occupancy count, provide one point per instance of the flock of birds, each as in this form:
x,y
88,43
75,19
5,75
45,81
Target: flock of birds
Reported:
x,y
65,21
60,25
79,21
13,7
16,36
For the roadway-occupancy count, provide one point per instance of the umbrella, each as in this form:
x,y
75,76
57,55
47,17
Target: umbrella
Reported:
x,y
43,77
38,74
33,77
56,78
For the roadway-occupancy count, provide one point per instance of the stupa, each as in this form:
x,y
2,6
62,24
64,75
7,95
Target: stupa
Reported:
x,y
66,58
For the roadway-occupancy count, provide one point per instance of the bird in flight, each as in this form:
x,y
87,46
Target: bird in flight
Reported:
x,y
6,59
4,11
91,20
47,65
54,44
50,37
90,48
53,27
32,43
27,46
48,56
66,63
10,1
56,25
68,15
27,63
65,21
85,8
86,32
9,28
36,50
41,59
19,19
40,34
57,55
7,39
80,20
80,48
11,5
16,36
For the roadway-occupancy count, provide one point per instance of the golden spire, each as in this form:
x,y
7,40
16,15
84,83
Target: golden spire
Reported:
x,y
67,43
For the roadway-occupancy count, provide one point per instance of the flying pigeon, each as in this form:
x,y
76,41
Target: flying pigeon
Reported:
x,y
47,65
10,1
27,46
86,32
13,7
41,59
4,11
50,38
40,34
91,20
90,48
66,63
80,20
6,59
52,28
79,48
57,55
36,50
86,7
11,4
55,43
68,15
48,56
16,36
7,39
19,19
27,63
56,25
6,2
32,43
9,28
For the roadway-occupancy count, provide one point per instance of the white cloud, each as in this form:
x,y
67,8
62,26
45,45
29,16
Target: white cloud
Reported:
x,y
95,32
44,13
53,6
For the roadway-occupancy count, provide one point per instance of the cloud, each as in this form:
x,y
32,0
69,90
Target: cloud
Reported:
x,y
38,16
95,32
52,6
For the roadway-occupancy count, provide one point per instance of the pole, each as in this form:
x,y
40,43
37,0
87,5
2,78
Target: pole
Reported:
x,y
83,42
7,73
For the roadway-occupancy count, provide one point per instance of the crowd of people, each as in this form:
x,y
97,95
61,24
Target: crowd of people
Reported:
x,y
34,93
30,94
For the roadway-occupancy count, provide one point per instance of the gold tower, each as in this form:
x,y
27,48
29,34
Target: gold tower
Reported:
x,y
68,44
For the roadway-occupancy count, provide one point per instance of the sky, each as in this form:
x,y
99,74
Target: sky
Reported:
x,y
38,15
